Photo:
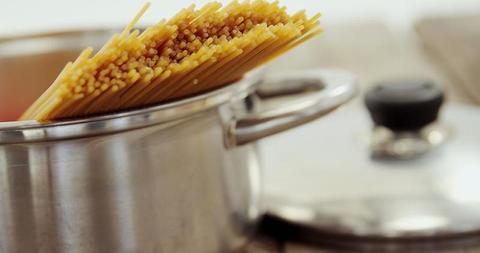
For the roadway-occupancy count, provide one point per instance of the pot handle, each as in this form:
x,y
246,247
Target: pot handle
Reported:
x,y
309,94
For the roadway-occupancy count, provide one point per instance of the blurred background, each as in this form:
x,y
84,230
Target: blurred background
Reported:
x,y
374,38
22,16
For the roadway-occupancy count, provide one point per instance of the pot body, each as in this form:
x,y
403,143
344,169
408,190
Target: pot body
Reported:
x,y
164,188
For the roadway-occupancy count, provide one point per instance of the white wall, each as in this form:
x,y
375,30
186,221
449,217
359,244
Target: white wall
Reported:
x,y
18,16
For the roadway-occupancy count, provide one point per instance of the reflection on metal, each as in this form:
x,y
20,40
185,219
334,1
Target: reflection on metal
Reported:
x,y
387,144
348,196
417,223
335,88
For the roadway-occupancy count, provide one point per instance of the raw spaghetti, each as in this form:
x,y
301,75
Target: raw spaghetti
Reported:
x,y
195,51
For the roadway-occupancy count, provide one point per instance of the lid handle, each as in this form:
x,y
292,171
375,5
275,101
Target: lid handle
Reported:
x,y
404,105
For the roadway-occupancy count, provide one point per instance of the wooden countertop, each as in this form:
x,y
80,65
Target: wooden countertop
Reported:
x,y
374,53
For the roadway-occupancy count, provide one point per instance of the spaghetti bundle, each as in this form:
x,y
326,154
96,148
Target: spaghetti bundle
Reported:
x,y
195,51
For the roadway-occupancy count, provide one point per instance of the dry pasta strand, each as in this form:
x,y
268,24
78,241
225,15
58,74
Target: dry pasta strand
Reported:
x,y
195,51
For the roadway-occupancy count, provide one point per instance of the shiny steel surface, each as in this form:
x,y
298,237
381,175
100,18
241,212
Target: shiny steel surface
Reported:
x,y
334,87
407,145
344,192
159,179
155,189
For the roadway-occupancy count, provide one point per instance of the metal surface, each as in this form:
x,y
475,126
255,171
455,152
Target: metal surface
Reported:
x,y
156,189
151,180
334,88
407,145
336,188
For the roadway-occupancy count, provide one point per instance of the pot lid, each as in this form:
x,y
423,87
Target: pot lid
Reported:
x,y
330,178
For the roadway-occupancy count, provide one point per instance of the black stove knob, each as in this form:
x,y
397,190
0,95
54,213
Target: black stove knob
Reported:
x,y
404,105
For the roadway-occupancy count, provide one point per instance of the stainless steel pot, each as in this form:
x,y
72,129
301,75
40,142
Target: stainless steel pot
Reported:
x,y
178,177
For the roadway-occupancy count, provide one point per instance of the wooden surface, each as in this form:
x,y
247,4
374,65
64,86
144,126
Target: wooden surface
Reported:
x,y
374,53
454,44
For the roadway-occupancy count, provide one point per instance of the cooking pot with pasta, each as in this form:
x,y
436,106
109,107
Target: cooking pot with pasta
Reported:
x,y
182,176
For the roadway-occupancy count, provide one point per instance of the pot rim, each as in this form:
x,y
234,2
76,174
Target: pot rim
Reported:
x,y
34,131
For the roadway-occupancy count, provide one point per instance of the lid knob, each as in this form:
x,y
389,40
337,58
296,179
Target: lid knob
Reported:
x,y
404,105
